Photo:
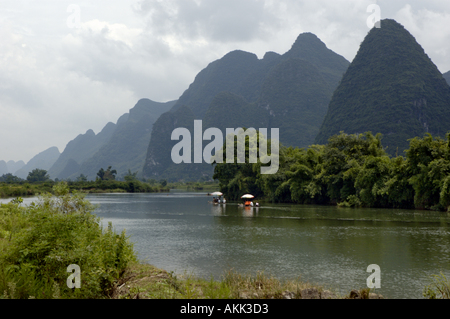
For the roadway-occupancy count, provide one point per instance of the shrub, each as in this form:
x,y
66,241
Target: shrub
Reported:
x,y
48,236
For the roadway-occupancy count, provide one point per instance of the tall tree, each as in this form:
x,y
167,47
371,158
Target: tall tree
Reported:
x,y
38,175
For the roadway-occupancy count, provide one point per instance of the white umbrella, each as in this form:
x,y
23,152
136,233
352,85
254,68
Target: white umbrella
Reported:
x,y
248,196
217,194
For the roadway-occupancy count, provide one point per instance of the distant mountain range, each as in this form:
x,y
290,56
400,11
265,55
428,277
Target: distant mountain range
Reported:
x,y
10,167
391,87
290,92
122,145
309,93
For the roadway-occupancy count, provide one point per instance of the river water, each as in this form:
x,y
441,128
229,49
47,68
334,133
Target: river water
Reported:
x,y
331,246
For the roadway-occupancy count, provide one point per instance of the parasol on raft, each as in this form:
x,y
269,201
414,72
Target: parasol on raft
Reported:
x,y
217,194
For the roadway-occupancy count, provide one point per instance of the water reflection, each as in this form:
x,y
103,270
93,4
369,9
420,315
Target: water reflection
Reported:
x,y
244,211
249,211
218,210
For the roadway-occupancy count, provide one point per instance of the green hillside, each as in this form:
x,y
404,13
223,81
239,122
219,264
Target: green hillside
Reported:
x,y
228,110
159,164
392,87
295,96
227,74
310,48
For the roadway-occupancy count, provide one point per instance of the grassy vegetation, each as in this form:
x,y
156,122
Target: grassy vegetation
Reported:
x,y
195,186
32,189
438,289
39,242
22,190
143,281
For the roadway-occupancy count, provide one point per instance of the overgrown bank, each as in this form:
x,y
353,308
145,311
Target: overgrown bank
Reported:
x,y
32,189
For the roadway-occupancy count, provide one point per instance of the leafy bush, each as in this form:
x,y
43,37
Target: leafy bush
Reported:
x,y
439,289
48,236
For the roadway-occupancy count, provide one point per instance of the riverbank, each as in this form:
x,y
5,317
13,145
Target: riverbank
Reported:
x,y
144,281
8,190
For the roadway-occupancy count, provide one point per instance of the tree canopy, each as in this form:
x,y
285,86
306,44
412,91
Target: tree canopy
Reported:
x,y
38,175
108,175
351,170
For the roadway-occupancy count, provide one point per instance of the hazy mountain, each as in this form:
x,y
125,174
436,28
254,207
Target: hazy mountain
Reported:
x,y
71,169
81,149
13,166
127,146
290,92
10,167
391,87
43,160
3,168
447,77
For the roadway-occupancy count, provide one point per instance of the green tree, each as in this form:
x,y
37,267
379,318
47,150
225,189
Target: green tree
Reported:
x,y
130,176
429,162
108,175
38,175
82,178
236,179
10,179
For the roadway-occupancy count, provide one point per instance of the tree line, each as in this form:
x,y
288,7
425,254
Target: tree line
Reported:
x,y
352,170
39,181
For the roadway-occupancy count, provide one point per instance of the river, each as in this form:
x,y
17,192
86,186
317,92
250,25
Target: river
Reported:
x,y
331,246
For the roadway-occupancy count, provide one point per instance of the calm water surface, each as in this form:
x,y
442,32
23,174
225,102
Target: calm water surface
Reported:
x,y
182,231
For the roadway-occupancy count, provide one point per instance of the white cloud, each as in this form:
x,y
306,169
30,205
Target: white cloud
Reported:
x,y
430,28
57,82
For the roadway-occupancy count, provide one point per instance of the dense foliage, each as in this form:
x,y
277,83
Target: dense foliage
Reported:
x,y
351,170
38,175
39,242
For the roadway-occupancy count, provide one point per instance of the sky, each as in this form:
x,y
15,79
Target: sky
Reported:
x,y
70,66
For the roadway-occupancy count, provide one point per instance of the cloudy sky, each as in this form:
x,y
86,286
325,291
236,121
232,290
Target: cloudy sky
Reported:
x,y
70,66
